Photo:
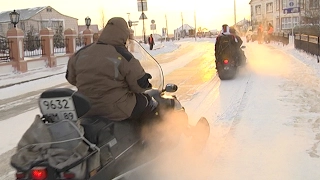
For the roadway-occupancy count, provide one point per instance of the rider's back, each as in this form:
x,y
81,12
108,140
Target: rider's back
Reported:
x,y
226,45
107,73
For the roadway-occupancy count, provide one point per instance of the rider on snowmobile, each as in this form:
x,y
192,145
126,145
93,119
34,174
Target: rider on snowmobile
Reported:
x,y
110,76
225,43
240,53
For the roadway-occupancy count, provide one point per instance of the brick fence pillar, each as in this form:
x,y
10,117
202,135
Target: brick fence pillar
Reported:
x,y
70,36
15,37
88,36
46,36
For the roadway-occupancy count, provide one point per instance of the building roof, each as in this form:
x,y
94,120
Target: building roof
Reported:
x,y
25,14
185,27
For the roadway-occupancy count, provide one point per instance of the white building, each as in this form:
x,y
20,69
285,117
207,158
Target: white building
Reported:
x,y
282,14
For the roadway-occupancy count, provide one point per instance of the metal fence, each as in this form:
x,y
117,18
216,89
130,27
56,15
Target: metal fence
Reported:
x,y
60,46
80,42
5,48
33,47
280,37
307,43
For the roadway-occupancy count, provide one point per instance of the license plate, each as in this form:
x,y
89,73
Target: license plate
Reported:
x,y
58,108
226,68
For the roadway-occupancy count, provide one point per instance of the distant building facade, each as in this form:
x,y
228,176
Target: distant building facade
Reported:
x,y
37,18
284,14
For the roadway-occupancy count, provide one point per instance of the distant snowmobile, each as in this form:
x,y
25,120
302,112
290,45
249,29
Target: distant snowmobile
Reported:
x,y
61,144
227,65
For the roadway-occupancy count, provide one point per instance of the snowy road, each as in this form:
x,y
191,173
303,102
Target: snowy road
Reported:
x,y
264,123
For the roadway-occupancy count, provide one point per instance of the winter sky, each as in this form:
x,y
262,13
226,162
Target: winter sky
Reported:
x,y
209,14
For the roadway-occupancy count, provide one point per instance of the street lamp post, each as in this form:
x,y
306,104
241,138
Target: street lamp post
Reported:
x,y
88,21
14,18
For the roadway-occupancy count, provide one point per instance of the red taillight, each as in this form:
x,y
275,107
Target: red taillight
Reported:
x,y
20,175
68,175
39,173
226,61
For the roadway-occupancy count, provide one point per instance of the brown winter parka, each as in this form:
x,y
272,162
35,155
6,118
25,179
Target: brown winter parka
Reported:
x,y
108,74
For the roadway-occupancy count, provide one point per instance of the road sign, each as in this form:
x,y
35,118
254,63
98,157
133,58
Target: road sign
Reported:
x,y
142,5
291,10
143,16
153,26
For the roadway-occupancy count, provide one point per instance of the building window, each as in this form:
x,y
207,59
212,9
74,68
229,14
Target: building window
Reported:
x,y
49,9
56,24
269,8
258,9
22,26
289,22
284,4
314,4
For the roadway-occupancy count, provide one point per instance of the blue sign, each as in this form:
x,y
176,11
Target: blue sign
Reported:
x,y
291,10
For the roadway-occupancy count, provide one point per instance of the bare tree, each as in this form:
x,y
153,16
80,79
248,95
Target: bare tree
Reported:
x,y
103,19
31,41
201,31
312,16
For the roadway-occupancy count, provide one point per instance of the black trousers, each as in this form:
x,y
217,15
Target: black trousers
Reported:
x,y
144,111
151,46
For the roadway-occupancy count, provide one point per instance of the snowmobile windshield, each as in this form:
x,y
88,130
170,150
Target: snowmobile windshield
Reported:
x,y
149,64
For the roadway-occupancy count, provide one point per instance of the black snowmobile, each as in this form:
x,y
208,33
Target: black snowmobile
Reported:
x,y
61,144
228,59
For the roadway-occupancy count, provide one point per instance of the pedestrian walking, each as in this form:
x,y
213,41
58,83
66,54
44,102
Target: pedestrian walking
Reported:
x,y
151,41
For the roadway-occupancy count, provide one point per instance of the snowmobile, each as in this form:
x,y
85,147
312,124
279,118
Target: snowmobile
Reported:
x,y
227,65
62,144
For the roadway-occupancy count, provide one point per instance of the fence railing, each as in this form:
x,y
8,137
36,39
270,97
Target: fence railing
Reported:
x,y
60,46
307,43
280,37
33,47
80,42
5,47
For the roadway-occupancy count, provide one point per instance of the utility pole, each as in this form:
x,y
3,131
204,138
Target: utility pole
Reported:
x,y
279,16
195,26
166,26
182,24
299,17
144,30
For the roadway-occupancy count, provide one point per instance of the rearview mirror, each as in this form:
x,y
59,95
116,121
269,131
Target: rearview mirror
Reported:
x,y
171,88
